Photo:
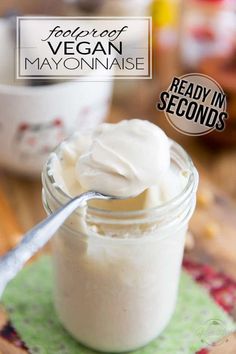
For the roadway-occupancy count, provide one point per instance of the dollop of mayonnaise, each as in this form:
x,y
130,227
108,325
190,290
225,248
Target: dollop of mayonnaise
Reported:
x,y
131,158
124,159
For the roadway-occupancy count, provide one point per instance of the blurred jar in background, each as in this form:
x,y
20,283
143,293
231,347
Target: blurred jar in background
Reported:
x,y
36,115
208,46
207,29
166,23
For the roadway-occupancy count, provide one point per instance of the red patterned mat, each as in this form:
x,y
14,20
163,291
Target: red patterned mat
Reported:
x,y
220,287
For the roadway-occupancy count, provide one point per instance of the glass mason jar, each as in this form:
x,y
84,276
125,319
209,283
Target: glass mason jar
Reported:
x,y
117,275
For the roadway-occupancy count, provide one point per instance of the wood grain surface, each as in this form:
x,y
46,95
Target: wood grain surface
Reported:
x,y
212,228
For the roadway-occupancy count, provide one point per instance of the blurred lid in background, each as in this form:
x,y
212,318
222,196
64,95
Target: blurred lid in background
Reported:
x,y
109,7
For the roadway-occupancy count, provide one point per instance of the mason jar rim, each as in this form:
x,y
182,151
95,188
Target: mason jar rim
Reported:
x,y
186,192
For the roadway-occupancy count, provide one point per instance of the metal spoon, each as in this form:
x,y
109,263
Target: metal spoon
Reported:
x,y
36,238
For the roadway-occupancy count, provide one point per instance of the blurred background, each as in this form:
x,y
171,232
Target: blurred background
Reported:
x,y
188,36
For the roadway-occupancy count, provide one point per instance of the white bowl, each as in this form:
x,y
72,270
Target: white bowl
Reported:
x,y
34,119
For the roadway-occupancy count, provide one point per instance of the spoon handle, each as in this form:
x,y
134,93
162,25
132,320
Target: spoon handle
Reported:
x,y
37,237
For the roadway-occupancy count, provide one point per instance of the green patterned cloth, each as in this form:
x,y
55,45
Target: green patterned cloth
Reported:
x,y
197,320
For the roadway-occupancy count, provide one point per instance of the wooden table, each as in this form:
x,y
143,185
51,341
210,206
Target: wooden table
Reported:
x,y
213,224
